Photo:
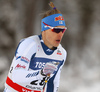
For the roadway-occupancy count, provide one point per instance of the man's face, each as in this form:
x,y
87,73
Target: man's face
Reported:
x,y
52,39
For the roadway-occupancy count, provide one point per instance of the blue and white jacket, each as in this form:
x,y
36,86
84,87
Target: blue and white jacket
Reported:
x,y
30,57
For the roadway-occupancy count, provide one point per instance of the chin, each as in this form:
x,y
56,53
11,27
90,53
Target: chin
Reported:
x,y
56,45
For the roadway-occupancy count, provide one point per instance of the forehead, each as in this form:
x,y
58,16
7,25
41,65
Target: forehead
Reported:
x,y
61,26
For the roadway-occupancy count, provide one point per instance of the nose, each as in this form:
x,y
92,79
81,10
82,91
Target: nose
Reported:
x,y
60,34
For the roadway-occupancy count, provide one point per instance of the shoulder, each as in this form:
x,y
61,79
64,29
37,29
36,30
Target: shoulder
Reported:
x,y
27,45
31,39
27,42
34,38
64,52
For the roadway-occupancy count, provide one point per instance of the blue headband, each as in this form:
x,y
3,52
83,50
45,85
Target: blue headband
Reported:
x,y
52,20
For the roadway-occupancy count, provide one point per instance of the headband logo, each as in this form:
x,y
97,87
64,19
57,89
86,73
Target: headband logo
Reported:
x,y
59,18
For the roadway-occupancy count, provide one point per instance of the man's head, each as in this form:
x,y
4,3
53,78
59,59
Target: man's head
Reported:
x,y
52,27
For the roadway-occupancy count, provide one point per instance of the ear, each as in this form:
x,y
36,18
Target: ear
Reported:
x,y
43,33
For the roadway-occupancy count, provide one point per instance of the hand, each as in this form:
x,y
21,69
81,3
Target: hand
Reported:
x,y
48,69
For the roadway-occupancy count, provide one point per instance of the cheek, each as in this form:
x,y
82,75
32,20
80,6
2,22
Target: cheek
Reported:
x,y
50,36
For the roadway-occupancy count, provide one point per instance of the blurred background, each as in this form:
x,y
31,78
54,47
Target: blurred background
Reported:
x,y
22,18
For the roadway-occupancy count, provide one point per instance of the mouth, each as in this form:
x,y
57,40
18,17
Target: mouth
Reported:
x,y
58,41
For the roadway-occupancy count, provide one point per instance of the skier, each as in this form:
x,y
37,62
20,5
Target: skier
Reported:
x,y
39,59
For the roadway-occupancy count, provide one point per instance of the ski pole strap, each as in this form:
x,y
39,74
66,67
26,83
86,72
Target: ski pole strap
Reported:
x,y
18,87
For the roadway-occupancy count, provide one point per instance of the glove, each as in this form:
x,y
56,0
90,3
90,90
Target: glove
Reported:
x,y
48,69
